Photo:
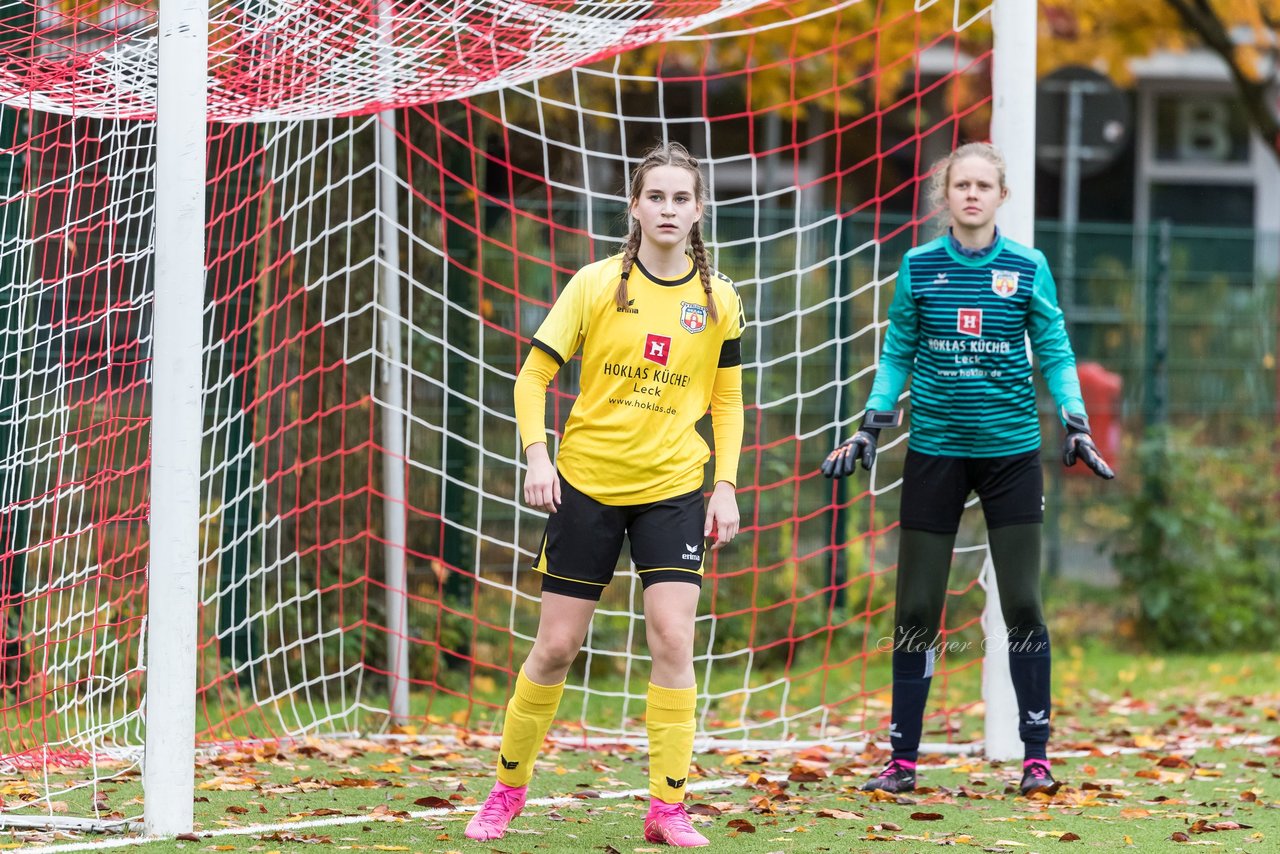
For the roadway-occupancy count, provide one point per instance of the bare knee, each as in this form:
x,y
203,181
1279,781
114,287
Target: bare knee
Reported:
x,y
552,656
670,643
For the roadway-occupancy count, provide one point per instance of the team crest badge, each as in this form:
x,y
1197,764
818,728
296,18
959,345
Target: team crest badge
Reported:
x,y
693,317
1004,282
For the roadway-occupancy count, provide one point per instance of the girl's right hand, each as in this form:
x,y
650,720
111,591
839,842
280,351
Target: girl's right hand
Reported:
x,y
541,482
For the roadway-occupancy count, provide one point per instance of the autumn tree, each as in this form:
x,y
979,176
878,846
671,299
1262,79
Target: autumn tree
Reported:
x,y
1244,33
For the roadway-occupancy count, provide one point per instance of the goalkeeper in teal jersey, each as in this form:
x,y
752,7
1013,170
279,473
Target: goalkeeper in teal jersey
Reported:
x,y
963,309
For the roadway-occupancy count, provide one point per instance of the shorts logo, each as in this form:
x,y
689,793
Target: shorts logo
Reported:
x,y
1004,282
969,321
657,348
690,553
693,317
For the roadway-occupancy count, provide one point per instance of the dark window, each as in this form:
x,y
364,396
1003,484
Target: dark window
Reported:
x,y
1201,129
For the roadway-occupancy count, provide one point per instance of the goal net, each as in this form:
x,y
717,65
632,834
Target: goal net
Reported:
x,y
396,193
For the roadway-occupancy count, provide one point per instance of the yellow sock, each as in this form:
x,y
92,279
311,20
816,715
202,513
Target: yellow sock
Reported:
x,y
669,719
530,711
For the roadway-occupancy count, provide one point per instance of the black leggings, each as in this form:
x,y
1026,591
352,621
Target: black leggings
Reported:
x,y
934,490
924,565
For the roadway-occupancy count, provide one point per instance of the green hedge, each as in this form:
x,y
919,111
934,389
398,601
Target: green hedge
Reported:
x,y
1202,554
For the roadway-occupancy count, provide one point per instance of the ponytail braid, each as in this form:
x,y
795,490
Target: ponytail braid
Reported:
x,y
629,250
704,268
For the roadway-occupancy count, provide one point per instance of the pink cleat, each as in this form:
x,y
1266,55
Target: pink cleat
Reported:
x,y
503,804
669,823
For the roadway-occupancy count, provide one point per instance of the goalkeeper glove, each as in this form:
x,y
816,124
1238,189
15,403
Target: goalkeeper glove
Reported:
x,y
1079,445
861,445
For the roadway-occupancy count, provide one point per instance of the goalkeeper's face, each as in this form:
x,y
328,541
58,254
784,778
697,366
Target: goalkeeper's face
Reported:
x,y
667,206
974,192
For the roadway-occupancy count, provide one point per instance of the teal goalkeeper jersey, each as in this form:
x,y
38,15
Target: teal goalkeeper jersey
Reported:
x,y
958,327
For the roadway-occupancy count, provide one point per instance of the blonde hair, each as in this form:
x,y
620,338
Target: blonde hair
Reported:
x,y
940,176
667,154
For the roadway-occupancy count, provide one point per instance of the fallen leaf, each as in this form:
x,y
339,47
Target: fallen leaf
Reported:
x,y
1205,826
926,816
287,836
1173,762
803,774
433,802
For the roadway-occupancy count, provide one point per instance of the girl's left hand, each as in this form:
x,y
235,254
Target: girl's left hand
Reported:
x,y
722,515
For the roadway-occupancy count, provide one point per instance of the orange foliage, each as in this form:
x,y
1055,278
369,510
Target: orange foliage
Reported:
x,y
1104,34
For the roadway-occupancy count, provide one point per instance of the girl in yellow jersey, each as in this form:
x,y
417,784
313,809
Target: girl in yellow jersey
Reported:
x,y
660,334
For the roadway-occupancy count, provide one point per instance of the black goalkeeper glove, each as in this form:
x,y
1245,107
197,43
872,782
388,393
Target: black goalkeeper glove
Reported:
x,y
1079,445
861,445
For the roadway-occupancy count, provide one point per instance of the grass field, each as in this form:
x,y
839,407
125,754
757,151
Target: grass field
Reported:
x,y
1154,751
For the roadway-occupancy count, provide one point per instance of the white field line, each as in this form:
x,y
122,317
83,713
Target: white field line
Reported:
x,y
337,821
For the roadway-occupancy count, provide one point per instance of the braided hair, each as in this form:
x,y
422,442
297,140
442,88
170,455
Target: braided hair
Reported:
x,y
667,154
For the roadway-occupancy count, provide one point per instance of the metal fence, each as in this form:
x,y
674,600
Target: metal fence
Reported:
x,y
1186,317
1171,326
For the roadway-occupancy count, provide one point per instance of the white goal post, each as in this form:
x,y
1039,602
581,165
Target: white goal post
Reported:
x,y
390,284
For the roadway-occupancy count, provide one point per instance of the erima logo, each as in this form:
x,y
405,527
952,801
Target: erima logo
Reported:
x,y
690,552
1036,718
940,279
676,784
893,731
507,763
629,309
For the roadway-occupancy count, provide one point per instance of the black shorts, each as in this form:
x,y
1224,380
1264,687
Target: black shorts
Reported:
x,y
583,541
934,490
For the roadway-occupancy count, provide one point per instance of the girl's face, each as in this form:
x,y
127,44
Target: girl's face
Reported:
x,y
974,192
667,206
